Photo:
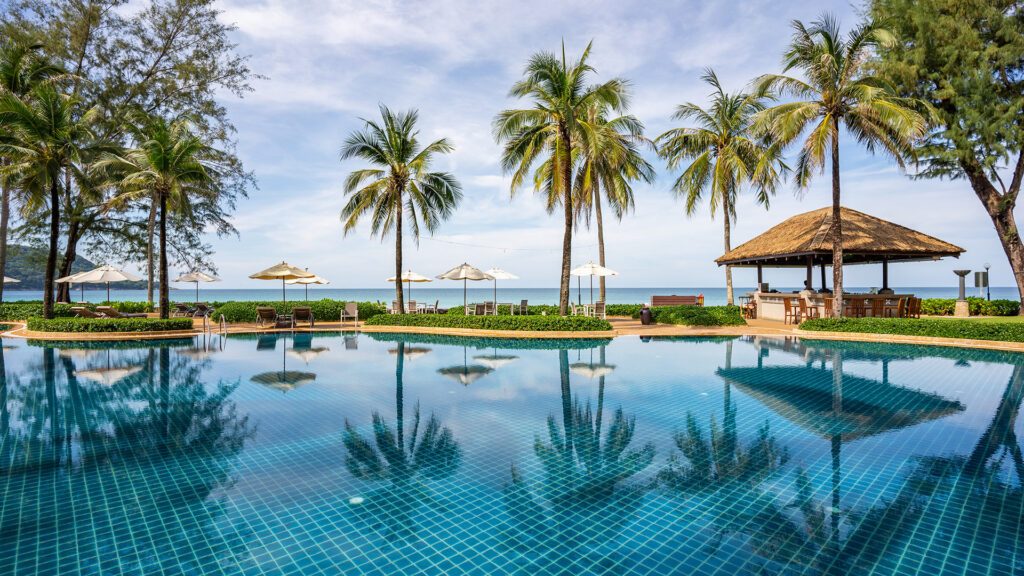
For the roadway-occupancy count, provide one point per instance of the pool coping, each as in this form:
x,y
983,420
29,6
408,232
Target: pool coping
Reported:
x,y
620,327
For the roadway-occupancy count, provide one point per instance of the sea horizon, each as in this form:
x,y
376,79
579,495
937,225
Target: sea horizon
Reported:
x,y
452,296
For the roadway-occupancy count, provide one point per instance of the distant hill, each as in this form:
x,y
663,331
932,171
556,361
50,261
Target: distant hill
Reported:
x,y
28,264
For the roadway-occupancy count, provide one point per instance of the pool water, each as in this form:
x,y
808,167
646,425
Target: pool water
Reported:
x,y
343,453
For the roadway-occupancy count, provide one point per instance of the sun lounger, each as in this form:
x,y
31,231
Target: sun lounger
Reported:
x,y
265,316
302,314
350,312
182,311
202,309
82,312
110,312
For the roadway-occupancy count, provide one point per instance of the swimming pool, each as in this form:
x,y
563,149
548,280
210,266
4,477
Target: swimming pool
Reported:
x,y
397,454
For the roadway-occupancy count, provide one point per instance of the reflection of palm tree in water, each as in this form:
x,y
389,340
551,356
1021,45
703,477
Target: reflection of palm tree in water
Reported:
x,y
154,470
587,503
404,463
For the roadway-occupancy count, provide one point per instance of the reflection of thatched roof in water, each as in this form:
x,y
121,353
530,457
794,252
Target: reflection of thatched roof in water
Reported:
x,y
865,239
805,397
284,380
489,343
465,375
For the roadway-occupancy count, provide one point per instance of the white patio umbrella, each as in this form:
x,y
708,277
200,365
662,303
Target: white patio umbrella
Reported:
x,y
465,272
409,277
105,275
499,274
11,280
283,272
590,269
197,277
73,279
307,281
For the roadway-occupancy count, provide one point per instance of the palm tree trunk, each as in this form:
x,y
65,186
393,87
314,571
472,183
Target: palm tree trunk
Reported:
x,y
399,294
600,237
51,256
70,254
151,226
5,218
837,227
165,296
727,212
563,287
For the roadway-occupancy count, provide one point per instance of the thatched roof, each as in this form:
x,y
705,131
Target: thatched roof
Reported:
x,y
865,239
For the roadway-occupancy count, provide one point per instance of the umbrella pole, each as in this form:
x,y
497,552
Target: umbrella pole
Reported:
x,y
197,292
108,293
83,291
495,296
307,292
465,300
591,289
284,299
579,292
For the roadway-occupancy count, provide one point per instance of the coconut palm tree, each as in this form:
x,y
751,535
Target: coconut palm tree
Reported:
x,y
401,184
21,67
609,165
168,162
552,128
45,134
837,89
724,156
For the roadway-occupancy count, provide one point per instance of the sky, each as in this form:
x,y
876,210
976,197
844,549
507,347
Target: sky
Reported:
x,y
327,64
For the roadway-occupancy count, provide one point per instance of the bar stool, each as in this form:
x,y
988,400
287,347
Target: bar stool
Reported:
x,y
790,313
854,308
877,307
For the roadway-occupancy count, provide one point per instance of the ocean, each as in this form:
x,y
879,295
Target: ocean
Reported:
x,y
452,296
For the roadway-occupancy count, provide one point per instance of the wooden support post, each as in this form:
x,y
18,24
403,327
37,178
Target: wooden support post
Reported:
x,y
760,277
885,273
823,277
810,273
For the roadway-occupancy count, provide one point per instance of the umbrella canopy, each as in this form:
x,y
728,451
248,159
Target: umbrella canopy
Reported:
x,y
590,269
197,277
409,277
72,279
10,280
465,272
103,275
499,274
283,272
108,376
307,281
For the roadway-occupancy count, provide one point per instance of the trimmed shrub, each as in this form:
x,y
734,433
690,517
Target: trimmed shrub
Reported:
x,y
697,315
109,324
325,310
977,306
525,323
936,328
551,310
29,308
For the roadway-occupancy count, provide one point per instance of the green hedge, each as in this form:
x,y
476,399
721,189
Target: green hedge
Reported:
x,y
324,310
29,308
551,310
697,315
108,324
526,323
937,328
978,307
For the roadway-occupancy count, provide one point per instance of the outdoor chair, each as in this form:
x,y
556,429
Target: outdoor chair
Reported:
x,y
82,312
807,311
899,311
265,316
877,307
791,314
202,309
182,311
304,315
914,308
394,307
110,312
524,307
854,308
410,307
479,310
599,310
350,312
489,309
829,304
431,308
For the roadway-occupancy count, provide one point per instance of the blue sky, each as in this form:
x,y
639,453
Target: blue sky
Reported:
x,y
328,63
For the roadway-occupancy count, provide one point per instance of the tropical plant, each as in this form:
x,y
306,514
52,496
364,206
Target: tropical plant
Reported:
x,y
608,165
555,126
22,66
401,184
838,89
46,135
724,155
170,163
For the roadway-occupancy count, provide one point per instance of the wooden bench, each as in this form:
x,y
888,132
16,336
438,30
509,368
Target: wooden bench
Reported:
x,y
677,301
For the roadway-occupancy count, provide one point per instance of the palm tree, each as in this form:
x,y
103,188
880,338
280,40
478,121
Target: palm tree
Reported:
x,y
170,163
555,124
21,68
609,164
839,89
724,156
45,136
400,185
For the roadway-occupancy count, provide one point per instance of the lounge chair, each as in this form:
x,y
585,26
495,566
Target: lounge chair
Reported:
x,y
394,307
524,308
82,312
202,309
410,307
431,308
110,312
302,314
350,312
489,308
265,316
479,310
182,311
599,310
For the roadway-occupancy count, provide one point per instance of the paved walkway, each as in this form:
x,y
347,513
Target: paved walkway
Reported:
x,y
621,326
